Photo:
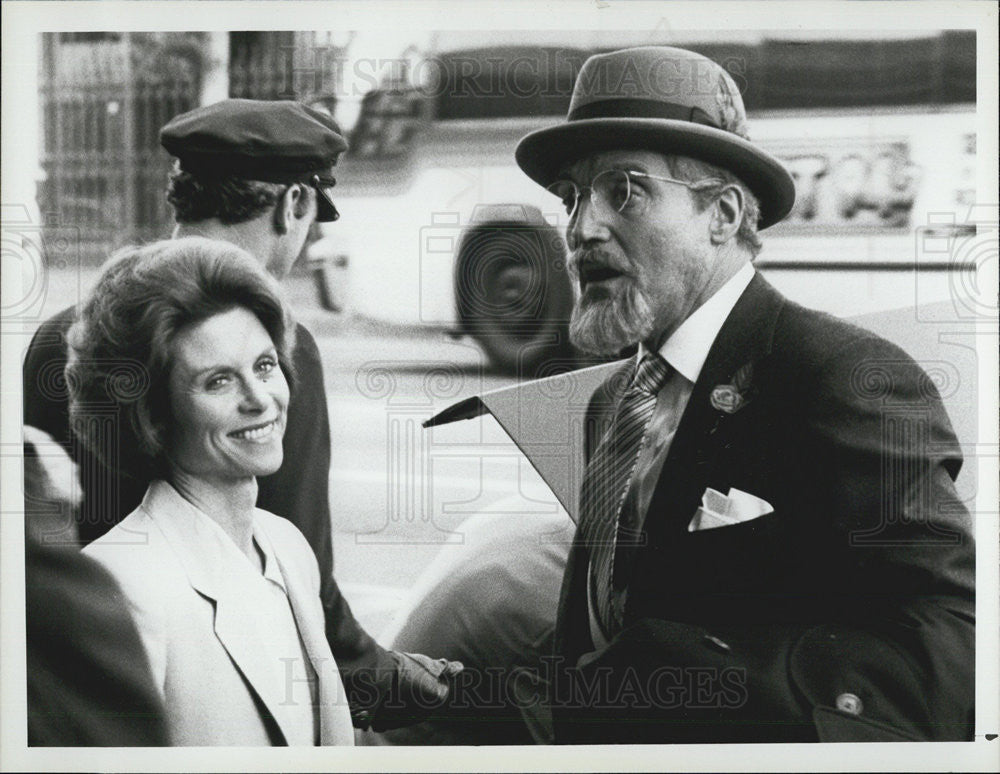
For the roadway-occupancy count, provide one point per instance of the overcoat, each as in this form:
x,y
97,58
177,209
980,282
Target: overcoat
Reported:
x,y
845,614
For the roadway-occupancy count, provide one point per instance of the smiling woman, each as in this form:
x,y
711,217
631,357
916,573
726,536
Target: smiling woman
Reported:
x,y
228,399
185,346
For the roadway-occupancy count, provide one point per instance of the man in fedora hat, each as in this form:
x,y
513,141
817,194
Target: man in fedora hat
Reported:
x,y
767,550
257,174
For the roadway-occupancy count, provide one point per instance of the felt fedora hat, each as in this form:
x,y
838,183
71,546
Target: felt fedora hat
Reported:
x,y
662,99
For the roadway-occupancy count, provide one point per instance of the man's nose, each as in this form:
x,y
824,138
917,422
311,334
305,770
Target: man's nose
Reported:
x,y
588,224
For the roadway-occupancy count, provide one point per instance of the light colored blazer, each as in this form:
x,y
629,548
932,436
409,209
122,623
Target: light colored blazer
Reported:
x,y
217,685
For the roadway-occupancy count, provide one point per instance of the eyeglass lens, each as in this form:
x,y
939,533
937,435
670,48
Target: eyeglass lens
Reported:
x,y
609,190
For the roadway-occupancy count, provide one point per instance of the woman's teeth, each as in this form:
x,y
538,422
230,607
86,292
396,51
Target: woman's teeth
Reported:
x,y
255,433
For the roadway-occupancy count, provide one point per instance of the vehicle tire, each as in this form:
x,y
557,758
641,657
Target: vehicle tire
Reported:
x,y
514,297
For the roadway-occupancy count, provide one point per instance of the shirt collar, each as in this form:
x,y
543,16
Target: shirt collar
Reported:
x,y
272,571
687,348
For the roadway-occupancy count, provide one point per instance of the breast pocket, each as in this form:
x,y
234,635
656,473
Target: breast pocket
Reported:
x,y
732,559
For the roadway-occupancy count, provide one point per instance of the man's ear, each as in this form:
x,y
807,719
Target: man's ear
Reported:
x,y
727,214
285,209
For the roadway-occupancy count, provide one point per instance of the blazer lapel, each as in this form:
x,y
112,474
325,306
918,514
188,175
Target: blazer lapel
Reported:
x,y
745,337
203,548
335,723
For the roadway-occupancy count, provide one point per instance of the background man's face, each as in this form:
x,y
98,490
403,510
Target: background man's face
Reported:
x,y
638,275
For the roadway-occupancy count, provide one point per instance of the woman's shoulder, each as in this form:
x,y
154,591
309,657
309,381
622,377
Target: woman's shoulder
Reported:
x,y
136,553
137,530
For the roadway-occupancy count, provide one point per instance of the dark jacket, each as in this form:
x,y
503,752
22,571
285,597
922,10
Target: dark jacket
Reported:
x,y
847,614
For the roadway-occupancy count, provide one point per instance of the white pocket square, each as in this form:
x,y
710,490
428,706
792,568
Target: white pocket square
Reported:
x,y
719,510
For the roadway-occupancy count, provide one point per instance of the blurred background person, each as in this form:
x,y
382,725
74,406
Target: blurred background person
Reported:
x,y
88,679
191,339
491,606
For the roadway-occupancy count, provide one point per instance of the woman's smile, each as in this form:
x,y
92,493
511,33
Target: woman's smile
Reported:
x,y
257,433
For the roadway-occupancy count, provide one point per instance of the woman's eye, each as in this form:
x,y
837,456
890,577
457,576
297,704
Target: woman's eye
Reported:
x,y
217,382
266,366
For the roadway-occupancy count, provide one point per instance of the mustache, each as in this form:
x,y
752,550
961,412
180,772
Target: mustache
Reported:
x,y
580,260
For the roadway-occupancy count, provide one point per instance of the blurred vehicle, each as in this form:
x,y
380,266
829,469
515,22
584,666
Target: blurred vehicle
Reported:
x,y
440,228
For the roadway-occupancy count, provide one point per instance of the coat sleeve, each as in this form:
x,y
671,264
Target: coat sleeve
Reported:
x,y
142,598
904,633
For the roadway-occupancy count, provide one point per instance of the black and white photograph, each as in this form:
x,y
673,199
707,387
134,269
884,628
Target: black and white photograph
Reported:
x,y
433,386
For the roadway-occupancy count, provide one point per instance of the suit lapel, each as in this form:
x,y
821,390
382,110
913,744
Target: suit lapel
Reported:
x,y
334,713
205,552
745,337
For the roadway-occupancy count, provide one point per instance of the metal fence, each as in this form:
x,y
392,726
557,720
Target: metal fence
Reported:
x,y
104,97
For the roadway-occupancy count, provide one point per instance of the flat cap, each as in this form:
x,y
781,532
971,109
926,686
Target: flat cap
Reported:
x,y
272,141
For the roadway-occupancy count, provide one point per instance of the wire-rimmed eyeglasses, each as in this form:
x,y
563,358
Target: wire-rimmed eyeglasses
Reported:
x,y
613,190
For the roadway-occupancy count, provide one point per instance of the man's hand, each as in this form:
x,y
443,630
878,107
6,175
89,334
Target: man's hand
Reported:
x,y
419,686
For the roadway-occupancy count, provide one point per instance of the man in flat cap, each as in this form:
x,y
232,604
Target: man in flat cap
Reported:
x,y
256,174
767,550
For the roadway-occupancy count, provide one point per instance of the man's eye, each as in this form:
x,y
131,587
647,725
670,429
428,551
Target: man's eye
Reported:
x,y
565,193
620,195
615,190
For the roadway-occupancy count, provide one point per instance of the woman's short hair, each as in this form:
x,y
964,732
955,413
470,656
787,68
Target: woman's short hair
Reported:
x,y
120,345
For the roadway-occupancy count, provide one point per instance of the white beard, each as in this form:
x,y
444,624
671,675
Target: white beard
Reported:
x,y
609,325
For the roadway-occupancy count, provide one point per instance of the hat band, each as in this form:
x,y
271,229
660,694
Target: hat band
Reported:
x,y
641,108
290,171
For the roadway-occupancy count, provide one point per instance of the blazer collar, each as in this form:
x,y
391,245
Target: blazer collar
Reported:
x,y
195,539
746,335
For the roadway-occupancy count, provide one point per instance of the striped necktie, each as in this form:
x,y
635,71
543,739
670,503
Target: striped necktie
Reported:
x,y
607,478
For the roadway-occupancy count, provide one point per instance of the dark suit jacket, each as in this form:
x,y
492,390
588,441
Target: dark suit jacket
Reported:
x,y
846,614
299,491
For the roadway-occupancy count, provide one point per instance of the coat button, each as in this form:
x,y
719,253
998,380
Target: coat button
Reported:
x,y
719,644
849,703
